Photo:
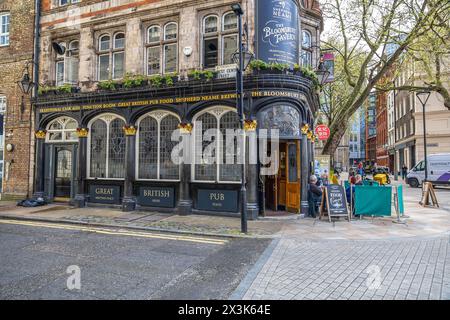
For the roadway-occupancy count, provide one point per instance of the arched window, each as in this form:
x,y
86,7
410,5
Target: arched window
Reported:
x,y
154,146
216,147
306,49
111,58
162,49
62,130
106,147
219,43
154,34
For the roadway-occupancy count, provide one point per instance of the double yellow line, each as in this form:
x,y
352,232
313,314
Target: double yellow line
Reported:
x,y
117,232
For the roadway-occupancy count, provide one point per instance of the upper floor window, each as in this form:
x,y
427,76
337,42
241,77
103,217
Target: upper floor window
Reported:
x,y
111,56
4,29
306,49
220,39
162,49
66,65
65,2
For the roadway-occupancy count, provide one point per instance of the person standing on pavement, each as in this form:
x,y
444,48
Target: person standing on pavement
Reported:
x,y
404,171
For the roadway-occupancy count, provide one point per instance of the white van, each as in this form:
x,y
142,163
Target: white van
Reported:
x,y
438,171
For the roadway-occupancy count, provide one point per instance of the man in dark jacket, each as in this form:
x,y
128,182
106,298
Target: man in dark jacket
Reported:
x,y
314,194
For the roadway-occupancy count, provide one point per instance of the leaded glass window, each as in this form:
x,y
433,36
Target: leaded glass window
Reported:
x,y
216,159
230,168
155,147
98,134
148,148
111,56
168,169
62,130
116,159
107,148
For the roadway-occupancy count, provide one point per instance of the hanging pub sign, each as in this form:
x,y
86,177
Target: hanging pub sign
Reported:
x,y
322,132
157,197
217,200
277,27
104,194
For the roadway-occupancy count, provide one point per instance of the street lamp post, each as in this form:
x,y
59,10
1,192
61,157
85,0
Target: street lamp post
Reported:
x,y
242,58
423,97
395,135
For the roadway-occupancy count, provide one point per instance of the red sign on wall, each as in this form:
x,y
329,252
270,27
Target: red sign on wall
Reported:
x,y
322,132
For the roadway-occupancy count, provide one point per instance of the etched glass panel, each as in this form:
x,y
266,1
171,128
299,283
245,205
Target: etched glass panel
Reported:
x,y
154,60
205,169
282,117
154,34
148,148
229,169
98,134
116,161
168,169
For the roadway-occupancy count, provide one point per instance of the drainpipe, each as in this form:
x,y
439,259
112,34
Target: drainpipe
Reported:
x,y
36,51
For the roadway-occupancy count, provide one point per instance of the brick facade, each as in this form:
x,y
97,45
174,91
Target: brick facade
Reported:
x,y
17,180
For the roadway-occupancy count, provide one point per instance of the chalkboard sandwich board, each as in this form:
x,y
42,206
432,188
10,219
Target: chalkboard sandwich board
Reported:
x,y
334,202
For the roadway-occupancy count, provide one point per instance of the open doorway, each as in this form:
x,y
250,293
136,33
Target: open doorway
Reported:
x,y
282,191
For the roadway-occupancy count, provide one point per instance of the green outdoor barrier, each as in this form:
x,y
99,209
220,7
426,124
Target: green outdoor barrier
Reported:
x,y
370,183
401,205
373,201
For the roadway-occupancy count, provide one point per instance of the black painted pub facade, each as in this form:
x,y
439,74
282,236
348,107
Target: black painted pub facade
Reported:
x,y
113,148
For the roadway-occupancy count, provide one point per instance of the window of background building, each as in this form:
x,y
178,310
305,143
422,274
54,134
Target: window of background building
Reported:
x,y
111,56
106,147
306,49
162,46
66,65
66,2
220,39
4,29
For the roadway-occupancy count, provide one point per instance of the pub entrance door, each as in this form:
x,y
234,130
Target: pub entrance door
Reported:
x,y
60,171
282,190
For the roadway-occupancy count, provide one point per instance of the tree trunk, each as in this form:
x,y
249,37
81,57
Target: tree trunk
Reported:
x,y
337,132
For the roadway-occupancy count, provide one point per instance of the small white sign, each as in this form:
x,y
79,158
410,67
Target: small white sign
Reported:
x,y
226,71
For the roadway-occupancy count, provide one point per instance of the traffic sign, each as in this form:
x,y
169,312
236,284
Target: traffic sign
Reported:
x,y
322,132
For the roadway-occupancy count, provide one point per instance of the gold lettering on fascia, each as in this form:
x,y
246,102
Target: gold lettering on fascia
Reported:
x,y
217,196
157,193
104,191
140,103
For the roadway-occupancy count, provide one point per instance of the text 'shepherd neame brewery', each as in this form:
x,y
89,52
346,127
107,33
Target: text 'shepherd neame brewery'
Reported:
x,y
131,73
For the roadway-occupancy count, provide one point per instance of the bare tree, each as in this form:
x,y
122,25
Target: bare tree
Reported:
x,y
363,30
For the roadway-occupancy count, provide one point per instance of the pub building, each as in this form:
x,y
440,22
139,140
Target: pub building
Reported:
x,y
107,143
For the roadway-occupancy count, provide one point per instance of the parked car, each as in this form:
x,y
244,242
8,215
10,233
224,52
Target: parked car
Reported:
x,y
438,171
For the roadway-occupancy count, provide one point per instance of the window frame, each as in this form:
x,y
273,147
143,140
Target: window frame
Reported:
x,y
107,118
63,121
5,34
157,115
218,112
307,49
220,35
69,2
111,52
162,43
